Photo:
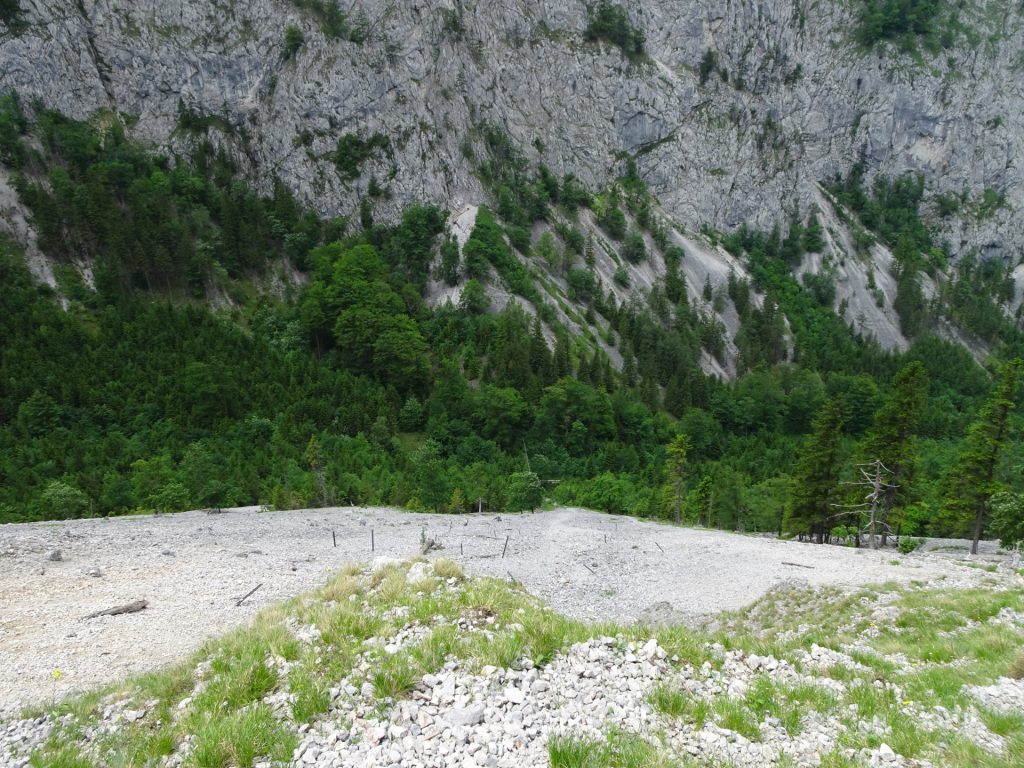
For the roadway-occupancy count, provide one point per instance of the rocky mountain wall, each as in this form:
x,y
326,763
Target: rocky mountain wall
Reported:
x,y
799,100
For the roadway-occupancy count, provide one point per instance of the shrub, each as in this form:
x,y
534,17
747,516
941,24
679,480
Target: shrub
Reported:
x,y
353,150
525,492
62,500
613,221
10,15
610,22
821,287
908,544
708,64
633,248
293,40
332,20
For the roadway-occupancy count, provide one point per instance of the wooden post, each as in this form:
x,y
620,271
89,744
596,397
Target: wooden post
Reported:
x,y
334,536
373,545
504,548
247,594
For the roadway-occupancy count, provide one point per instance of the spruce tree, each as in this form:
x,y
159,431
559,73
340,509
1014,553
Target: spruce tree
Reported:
x,y
676,462
891,439
817,473
971,481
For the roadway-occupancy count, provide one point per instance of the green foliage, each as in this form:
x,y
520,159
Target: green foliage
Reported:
x,y
612,220
1007,510
10,15
893,436
293,40
971,481
634,250
708,65
486,246
816,477
814,235
608,21
353,150
975,297
821,287
522,197
524,492
934,24
13,125
909,544
333,21
169,406
147,225
823,341
991,202
61,500
891,209
450,258
675,464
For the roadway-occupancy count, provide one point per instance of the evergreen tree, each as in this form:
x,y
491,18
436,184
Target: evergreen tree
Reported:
x,y
971,481
817,473
892,436
677,452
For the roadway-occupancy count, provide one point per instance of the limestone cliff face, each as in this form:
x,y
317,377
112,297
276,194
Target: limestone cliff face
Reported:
x,y
792,101
809,104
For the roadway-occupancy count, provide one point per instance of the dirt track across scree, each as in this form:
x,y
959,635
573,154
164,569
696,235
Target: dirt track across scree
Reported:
x,y
193,567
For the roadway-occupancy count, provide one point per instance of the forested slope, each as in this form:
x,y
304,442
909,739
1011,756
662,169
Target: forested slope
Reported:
x,y
223,347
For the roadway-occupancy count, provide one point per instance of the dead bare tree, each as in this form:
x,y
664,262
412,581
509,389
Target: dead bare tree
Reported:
x,y
878,478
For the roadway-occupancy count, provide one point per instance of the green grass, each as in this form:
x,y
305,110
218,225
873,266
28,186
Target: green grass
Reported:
x,y
1001,722
240,738
618,749
734,715
943,633
60,757
676,703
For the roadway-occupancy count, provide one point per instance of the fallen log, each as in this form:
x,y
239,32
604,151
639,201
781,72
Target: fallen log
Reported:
x,y
135,607
798,565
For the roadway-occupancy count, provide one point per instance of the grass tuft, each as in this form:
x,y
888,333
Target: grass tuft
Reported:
x,y
1016,670
448,569
240,738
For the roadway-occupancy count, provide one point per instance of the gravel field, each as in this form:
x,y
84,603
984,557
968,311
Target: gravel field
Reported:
x,y
192,568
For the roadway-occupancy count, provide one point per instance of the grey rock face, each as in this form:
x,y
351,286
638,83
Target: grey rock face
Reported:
x,y
799,103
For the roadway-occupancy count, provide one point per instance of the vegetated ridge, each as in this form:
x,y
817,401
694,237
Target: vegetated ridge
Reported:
x,y
509,298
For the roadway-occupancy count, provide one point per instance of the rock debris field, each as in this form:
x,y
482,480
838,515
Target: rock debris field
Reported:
x,y
193,568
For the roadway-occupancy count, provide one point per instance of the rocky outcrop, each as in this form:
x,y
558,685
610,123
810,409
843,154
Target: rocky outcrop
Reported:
x,y
793,100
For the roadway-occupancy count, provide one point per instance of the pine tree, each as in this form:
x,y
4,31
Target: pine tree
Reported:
x,y
677,452
971,481
817,471
892,436
560,360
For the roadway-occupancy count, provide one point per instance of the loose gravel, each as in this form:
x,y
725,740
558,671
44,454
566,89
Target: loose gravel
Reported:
x,y
193,568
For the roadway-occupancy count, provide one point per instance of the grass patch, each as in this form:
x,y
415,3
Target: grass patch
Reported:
x,y
448,569
945,635
677,703
734,715
1001,722
61,757
241,737
618,749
